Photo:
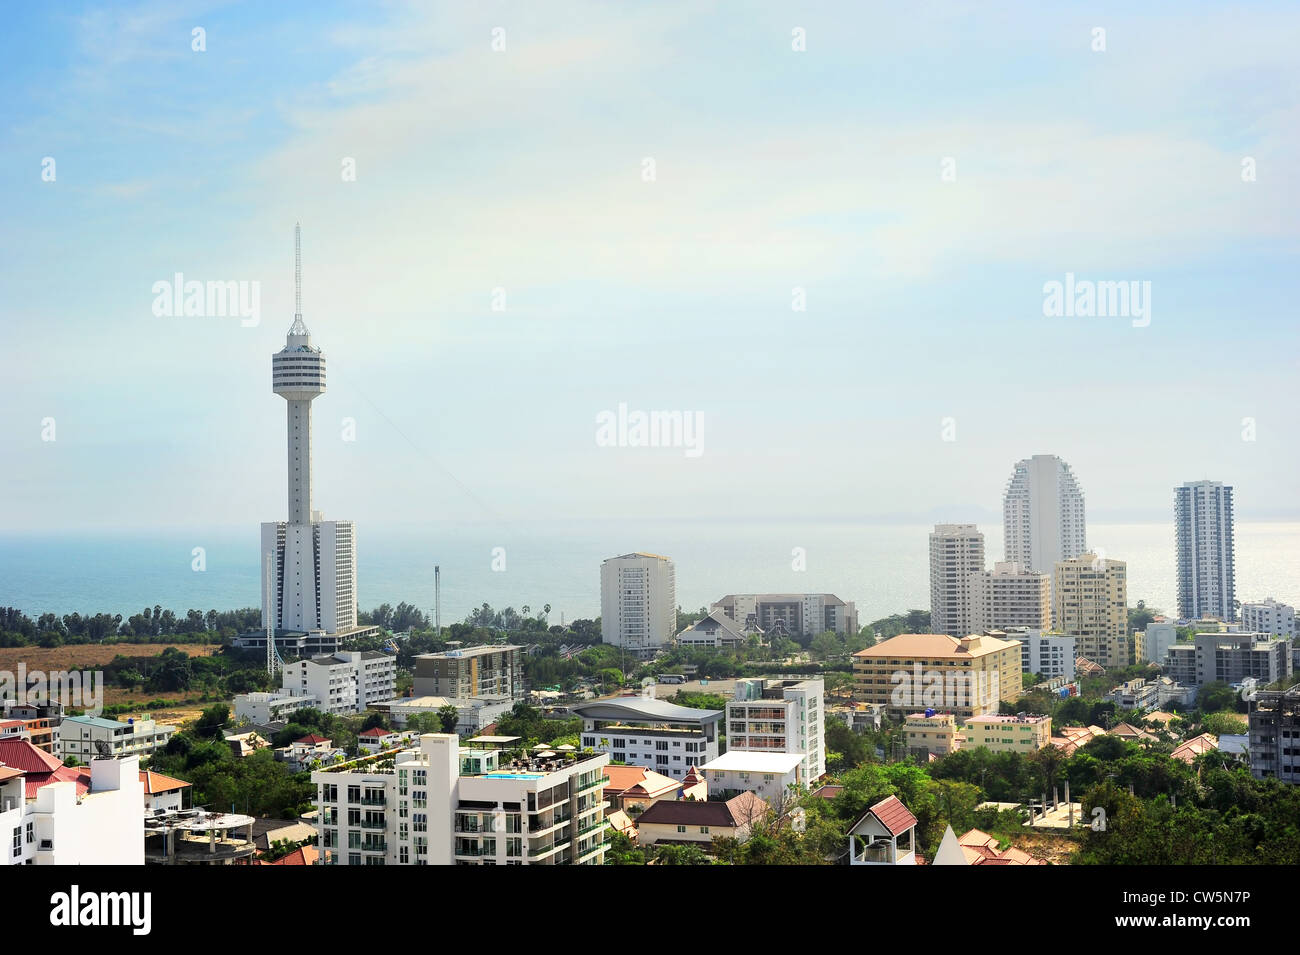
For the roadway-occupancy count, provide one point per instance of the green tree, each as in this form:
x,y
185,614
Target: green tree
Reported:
x,y
448,717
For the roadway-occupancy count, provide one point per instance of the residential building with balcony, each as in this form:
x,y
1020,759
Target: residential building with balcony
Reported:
x,y
491,671
1136,695
1010,596
790,614
931,734
768,775
780,716
638,602
1206,559
86,737
1229,658
343,682
640,731
1090,603
917,671
1050,655
1152,644
1269,616
956,564
444,805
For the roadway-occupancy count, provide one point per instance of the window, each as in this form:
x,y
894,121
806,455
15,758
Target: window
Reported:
x,y
681,828
704,829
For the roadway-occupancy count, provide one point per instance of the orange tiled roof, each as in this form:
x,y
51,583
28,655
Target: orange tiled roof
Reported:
x,y
155,783
1188,751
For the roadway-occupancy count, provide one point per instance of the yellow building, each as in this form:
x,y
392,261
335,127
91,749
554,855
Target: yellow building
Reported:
x,y
917,671
1008,734
934,735
1090,603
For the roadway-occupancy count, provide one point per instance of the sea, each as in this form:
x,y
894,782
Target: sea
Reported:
x,y
884,568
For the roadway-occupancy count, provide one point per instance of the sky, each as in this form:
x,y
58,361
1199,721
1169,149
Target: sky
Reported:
x,y
650,191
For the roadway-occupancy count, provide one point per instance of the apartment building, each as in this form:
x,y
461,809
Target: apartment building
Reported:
x,y
86,737
263,707
444,805
714,631
1269,616
956,566
1203,523
916,671
1010,595
1136,695
1152,644
769,776
1090,603
642,731
1274,745
1043,519
1050,655
931,734
496,670
1229,658
780,716
1024,733
790,614
54,815
638,602
343,682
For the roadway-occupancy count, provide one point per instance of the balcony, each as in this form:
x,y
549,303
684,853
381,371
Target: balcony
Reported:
x,y
373,801
373,824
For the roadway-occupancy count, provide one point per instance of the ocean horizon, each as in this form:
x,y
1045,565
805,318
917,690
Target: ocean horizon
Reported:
x,y
883,568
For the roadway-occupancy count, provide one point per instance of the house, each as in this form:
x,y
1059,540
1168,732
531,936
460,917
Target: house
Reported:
x,y
1073,737
162,792
620,821
715,630
89,736
633,788
1085,667
245,744
768,774
884,835
979,848
311,750
14,729
304,855
1197,746
1131,734
282,832
687,822
694,785
377,739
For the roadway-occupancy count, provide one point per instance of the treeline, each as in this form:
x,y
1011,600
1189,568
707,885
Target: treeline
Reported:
x,y
150,625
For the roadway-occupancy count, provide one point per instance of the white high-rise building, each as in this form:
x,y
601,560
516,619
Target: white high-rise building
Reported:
x,y
1043,514
638,602
956,558
1206,569
313,562
1269,616
780,716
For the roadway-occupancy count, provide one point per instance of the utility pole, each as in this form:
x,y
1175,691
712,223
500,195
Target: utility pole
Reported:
x,y
437,602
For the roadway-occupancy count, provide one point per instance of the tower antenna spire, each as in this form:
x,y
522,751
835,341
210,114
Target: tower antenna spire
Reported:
x,y
297,270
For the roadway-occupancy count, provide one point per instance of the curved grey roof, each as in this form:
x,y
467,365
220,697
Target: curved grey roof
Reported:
x,y
639,708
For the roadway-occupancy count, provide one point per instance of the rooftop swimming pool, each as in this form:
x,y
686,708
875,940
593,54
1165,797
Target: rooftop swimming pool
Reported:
x,y
515,775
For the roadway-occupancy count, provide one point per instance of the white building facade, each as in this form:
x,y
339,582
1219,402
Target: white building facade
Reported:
x,y
346,682
311,562
443,805
1206,561
638,602
86,737
780,716
956,562
1043,518
1269,616
1011,596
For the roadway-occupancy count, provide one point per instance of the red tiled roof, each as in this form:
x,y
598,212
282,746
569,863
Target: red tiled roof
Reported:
x,y
21,754
8,772
893,815
312,739
305,855
1195,746
155,783
377,732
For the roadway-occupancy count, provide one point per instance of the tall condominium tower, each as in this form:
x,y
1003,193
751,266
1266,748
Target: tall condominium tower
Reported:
x,y
312,562
1206,573
638,602
956,556
1042,514
1010,596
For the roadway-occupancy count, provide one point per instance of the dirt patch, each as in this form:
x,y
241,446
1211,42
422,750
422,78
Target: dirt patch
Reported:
x,y
90,655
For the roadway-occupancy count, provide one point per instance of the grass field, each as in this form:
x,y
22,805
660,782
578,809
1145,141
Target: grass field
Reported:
x,y
90,656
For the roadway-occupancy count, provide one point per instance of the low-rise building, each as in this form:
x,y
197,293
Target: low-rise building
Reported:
x,y
769,775
1136,695
495,670
1154,642
264,707
687,822
1274,744
377,739
1025,733
790,614
634,788
86,737
473,714
1229,658
930,734
642,731
1196,746
717,630
1269,616
348,681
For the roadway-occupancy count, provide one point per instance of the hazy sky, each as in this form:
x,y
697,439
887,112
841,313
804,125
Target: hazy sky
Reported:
x,y
523,170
